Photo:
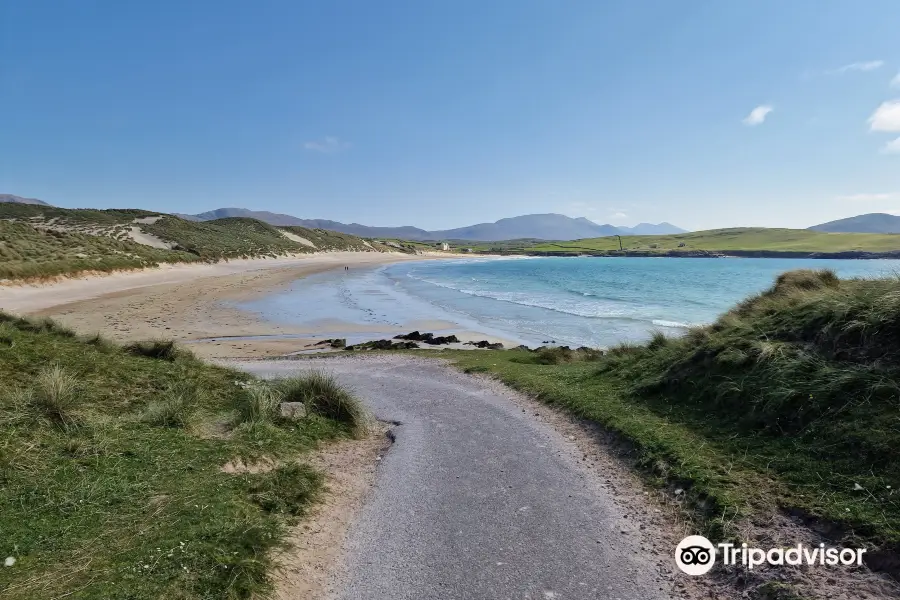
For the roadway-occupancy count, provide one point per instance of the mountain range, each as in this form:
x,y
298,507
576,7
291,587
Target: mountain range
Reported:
x,y
868,223
542,226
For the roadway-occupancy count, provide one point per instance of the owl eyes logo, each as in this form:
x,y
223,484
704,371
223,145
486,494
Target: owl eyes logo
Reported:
x,y
695,555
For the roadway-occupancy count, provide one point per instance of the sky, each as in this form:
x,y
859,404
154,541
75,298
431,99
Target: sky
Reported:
x,y
445,113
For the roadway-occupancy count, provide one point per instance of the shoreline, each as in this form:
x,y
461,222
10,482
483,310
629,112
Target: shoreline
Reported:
x,y
223,310
32,296
194,305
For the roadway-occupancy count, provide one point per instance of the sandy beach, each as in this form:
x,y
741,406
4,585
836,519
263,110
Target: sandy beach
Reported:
x,y
191,303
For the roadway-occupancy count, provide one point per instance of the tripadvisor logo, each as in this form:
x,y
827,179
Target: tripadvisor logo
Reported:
x,y
696,555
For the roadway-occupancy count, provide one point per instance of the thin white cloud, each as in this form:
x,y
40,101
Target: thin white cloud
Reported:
x,y
870,65
757,115
618,215
868,197
886,117
327,145
895,82
892,147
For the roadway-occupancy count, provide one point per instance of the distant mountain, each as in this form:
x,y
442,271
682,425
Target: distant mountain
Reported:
x,y
20,200
543,227
869,223
405,232
262,215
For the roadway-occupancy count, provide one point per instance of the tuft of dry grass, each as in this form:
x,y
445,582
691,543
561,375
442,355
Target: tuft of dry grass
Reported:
x,y
101,343
657,340
324,395
158,349
55,395
259,404
805,279
7,334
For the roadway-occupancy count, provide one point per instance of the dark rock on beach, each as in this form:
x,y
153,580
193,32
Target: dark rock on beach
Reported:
x,y
334,343
486,344
383,345
437,341
428,338
407,341
415,336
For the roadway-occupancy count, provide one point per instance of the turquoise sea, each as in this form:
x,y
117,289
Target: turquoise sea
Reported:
x,y
575,301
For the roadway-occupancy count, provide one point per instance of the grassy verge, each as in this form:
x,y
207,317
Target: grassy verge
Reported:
x,y
788,402
111,480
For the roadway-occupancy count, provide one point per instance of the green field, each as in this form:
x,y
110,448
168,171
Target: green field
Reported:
x,y
716,240
786,403
111,480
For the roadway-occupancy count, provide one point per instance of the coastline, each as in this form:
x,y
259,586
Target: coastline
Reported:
x,y
182,302
195,304
31,296
266,308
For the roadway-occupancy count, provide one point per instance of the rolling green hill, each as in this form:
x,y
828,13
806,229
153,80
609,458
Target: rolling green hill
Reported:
x,y
27,252
225,238
325,240
43,241
749,239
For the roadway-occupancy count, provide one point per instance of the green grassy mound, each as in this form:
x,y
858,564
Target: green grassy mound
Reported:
x,y
236,237
804,375
324,240
790,402
26,252
111,480
43,241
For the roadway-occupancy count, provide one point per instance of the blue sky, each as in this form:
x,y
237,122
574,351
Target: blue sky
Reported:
x,y
443,113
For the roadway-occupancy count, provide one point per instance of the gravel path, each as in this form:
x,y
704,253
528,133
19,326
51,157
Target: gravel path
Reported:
x,y
477,499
